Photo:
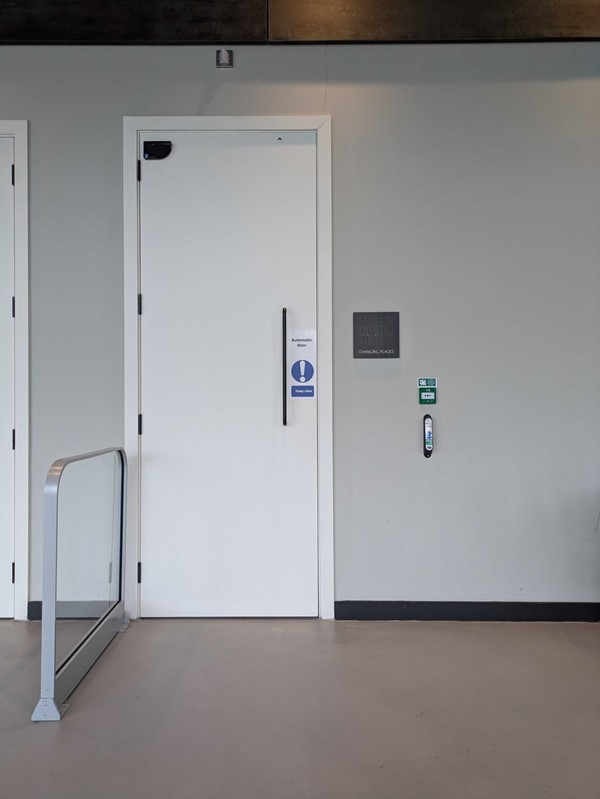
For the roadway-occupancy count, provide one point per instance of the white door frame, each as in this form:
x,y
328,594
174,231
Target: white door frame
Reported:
x,y
322,127
17,130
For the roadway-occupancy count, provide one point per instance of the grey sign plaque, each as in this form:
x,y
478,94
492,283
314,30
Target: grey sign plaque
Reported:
x,y
376,334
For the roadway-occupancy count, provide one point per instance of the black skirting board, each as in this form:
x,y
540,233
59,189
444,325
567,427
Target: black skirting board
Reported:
x,y
358,610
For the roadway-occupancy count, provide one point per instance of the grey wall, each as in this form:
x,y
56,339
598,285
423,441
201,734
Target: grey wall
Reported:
x,y
466,195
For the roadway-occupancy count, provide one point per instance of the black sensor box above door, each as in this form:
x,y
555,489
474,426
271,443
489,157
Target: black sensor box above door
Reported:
x,y
157,150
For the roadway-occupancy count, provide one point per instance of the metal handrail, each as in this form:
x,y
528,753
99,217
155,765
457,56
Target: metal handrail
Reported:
x,y
57,684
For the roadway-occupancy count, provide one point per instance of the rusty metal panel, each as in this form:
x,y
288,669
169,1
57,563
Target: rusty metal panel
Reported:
x,y
432,20
132,21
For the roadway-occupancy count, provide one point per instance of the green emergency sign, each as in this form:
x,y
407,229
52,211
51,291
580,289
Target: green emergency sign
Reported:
x,y
427,390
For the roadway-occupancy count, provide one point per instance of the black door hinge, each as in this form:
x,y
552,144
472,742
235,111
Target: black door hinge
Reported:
x,y
12,175
139,424
13,573
139,170
139,572
13,308
14,436
139,304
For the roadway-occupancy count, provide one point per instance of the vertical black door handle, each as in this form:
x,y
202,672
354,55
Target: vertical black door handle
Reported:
x,y
284,364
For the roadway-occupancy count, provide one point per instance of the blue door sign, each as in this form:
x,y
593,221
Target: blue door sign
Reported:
x,y
303,371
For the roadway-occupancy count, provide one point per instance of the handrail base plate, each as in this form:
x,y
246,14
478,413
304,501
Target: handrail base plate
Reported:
x,y
46,710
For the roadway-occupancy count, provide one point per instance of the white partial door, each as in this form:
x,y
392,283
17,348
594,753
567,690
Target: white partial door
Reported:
x,y
228,491
7,391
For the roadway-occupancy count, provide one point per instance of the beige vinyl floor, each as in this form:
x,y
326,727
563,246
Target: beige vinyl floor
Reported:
x,y
302,709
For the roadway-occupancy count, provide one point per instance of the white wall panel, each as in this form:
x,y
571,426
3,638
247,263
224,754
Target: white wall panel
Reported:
x,y
466,191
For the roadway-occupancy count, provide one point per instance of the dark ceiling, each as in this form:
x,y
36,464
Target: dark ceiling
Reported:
x,y
295,21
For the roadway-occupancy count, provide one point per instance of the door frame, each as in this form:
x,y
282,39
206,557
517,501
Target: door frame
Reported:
x,y
321,125
19,490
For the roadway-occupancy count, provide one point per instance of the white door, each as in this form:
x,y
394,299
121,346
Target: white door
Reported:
x,y
7,392
228,491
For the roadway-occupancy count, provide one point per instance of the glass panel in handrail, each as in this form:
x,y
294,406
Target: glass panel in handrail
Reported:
x,y
88,573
